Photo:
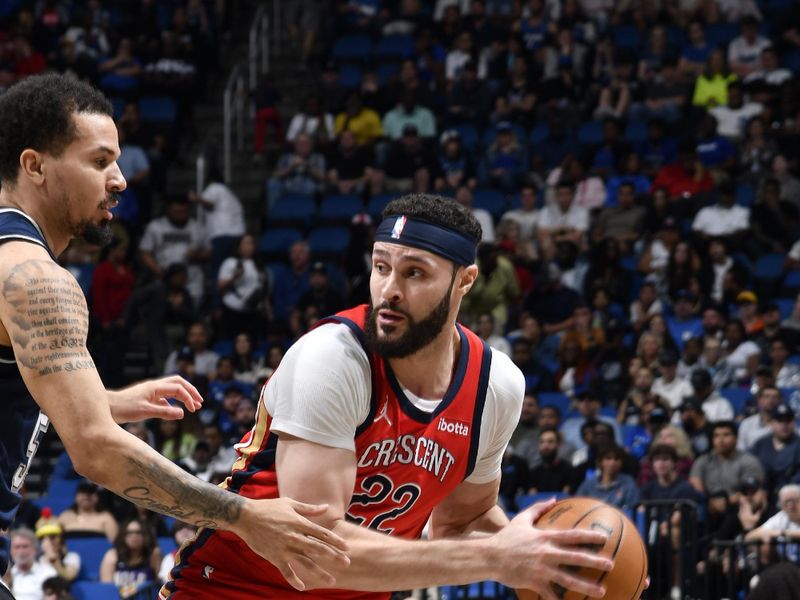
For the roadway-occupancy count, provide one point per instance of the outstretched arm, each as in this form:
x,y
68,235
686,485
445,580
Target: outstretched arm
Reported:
x,y
44,312
519,555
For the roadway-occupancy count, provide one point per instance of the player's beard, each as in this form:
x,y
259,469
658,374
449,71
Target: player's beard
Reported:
x,y
418,334
92,232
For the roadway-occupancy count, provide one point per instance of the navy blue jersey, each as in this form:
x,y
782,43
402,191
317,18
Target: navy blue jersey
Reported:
x,y
22,426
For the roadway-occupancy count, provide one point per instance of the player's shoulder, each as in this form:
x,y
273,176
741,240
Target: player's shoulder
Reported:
x,y
20,257
506,381
328,340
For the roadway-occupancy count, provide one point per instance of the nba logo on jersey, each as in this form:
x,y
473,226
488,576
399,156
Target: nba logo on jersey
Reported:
x,y
398,227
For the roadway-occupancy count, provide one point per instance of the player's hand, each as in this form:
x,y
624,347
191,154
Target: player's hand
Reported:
x,y
279,531
150,400
531,558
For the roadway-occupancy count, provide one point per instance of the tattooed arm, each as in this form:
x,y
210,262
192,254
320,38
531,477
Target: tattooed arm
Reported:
x,y
44,313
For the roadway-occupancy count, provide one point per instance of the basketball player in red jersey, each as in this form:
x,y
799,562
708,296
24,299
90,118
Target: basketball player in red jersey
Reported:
x,y
393,414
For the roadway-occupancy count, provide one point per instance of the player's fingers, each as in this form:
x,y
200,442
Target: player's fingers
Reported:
x,y
533,513
180,393
314,572
179,382
582,586
166,412
572,537
291,577
320,551
317,531
547,593
576,558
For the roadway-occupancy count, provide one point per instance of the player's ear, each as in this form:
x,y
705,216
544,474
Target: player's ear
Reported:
x,y
31,165
467,278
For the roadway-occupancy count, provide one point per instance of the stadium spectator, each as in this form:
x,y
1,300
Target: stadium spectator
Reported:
x,y
588,406
132,563
504,160
54,549
694,422
676,438
301,171
724,468
173,441
176,238
779,452
313,122
784,523
716,365
410,165
408,112
27,574
744,51
725,219
84,518
711,85
364,122
203,359
56,588
611,485
734,114
528,426
774,220
696,52
716,407
485,327
320,294
290,284
553,473
685,177
670,387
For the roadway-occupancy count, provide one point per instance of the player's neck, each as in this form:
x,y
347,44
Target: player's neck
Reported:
x,y
19,199
428,373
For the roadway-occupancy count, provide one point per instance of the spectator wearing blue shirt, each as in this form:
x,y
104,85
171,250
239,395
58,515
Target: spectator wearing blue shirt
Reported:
x,y
779,451
696,52
714,151
611,485
291,284
632,175
657,150
504,162
588,404
684,324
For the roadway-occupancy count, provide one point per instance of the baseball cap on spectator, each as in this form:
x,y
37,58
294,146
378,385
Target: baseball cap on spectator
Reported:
x,y
783,412
684,294
668,357
749,484
658,415
185,353
449,134
319,267
746,297
585,392
504,127
700,378
410,129
691,403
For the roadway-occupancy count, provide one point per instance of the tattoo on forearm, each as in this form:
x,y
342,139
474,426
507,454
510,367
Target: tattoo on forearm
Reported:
x,y
184,497
49,317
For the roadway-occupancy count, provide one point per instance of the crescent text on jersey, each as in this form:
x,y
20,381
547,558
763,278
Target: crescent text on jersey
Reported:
x,y
408,449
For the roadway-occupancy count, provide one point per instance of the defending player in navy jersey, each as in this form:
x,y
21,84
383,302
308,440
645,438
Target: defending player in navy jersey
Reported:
x,y
58,152
394,414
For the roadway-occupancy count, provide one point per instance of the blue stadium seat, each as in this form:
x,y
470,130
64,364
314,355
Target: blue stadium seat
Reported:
x,y
769,266
737,397
276,242
636,131
490,200
539,134
57,504
350,77
394,47
469,136
62,488
340,208
83,274
91,551
167,545
792,280
791,61
355,48
557,399
223,347
525,500
94,590
745,194
329,240
785,305
377,204
385,72
159,109
721,34
627,37
293,208
590,133
794,359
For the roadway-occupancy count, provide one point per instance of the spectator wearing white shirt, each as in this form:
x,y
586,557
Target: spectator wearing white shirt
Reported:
x,y
756,426
563,221
771,73
733,116
27,575
486,330
715,407
204,360
460,56
526,216
742,355
721,263
744,52
669,387
313,122
177,238
786,522
725,219
464,198
240,282
223,217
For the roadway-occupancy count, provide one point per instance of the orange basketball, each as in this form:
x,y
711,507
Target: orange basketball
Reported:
x,y
625,547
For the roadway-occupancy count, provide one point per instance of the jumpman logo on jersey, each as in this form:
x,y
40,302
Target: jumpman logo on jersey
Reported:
x,y
207,571
384,414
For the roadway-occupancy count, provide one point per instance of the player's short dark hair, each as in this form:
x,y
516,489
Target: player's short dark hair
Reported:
x,y
437,210
37,113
